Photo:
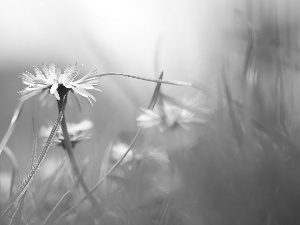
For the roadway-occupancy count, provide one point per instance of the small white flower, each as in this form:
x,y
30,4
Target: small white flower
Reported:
x,y
118,150
52,80
169,117
77,132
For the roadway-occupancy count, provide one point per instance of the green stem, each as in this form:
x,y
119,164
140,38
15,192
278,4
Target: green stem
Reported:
x,y
74,164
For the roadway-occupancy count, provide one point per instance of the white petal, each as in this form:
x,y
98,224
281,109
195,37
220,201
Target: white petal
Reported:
x,y
56,95
52,70
67,85
46,72
38,73
84,93
54,88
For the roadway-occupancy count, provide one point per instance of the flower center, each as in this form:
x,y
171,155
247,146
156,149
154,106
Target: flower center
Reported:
x,y
62,90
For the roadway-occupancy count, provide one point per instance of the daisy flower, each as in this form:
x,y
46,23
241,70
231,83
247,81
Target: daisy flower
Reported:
x,y
52,80
77,132
169,116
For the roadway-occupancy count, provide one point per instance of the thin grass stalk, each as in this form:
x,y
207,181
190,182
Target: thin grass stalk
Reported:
x,y
15,169
12,125
34,147
38,164
236,125
198,86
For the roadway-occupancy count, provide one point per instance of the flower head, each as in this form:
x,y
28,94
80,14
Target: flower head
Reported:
x,y
169,116
77,132
52,80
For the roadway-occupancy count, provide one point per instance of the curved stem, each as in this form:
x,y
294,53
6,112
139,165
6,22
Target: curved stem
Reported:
x,y
201,87
175,82
74,164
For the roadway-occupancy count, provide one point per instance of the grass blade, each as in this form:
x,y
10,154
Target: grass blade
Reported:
x,y
197,86
34,144
155,93
104,166
11,157
12,125
15,169
236,125
14,172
